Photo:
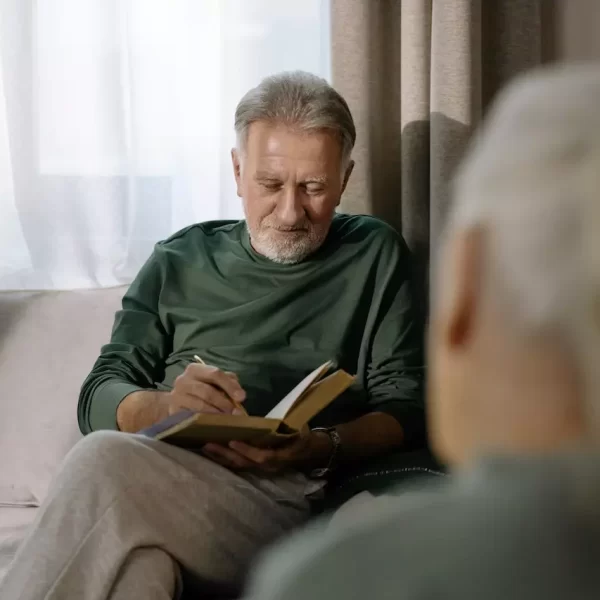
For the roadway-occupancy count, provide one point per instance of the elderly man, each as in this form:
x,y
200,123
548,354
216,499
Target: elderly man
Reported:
x,y
514,395
263,302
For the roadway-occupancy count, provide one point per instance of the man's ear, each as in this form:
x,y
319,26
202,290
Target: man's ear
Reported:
x,y
460,290
237,170
347,174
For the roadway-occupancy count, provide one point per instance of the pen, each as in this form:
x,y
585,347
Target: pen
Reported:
x,y
199,360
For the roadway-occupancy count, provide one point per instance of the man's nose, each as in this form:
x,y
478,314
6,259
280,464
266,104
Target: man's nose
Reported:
x,y
290,209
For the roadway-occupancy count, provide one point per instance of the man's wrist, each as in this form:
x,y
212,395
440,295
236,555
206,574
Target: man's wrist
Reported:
x,y
322,447
141,409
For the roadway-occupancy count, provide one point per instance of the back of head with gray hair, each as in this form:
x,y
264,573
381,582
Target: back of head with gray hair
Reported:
x,y
298,100
532,181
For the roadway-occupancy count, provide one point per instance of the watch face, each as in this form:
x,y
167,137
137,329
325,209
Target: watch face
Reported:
x,y
319,473
335,436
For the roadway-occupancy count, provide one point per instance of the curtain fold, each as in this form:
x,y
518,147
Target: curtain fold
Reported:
x,y
418,75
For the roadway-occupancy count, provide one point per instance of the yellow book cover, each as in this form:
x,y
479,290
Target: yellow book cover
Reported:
x,y
316,391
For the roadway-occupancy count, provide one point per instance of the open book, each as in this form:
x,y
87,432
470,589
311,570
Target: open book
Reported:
x,y
192,430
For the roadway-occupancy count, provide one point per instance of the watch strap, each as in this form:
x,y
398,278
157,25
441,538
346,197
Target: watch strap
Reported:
x,y
336,442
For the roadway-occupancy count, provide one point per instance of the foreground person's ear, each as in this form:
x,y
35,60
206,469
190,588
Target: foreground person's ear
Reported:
x,y
462,289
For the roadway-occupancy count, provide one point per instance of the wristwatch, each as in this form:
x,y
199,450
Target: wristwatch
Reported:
x,y
336,442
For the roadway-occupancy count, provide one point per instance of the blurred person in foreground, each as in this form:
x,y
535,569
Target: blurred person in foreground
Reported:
x,y
514,390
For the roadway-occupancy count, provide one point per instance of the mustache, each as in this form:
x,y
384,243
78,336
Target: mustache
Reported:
x,y
302,226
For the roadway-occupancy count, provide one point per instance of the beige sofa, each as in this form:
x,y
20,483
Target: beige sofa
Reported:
x,y
48,344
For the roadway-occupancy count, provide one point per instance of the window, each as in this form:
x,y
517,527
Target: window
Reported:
x,y
119,122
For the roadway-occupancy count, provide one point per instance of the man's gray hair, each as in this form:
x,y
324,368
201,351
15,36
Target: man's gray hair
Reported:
x,y
298,100
532,181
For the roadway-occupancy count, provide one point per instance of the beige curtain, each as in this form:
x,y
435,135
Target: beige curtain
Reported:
x,y
418,75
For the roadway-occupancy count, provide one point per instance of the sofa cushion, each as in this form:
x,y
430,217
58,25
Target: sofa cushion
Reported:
x,y
48,344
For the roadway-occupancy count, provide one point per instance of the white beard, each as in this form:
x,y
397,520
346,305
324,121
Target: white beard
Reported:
x,y
288,248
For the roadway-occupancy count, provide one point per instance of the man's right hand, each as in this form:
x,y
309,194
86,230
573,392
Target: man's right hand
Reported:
x,y
201,388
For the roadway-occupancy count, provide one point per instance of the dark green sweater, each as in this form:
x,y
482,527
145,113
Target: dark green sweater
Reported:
x,y
205,291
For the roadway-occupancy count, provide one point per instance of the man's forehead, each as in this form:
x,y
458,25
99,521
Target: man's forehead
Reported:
x,y
277,142
272,166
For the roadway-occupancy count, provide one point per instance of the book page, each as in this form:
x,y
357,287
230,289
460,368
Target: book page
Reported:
x,y
288,402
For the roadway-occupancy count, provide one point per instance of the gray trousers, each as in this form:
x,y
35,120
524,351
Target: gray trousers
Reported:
x,y
126,512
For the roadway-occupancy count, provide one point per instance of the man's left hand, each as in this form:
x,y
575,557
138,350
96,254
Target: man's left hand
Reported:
x,y
308,449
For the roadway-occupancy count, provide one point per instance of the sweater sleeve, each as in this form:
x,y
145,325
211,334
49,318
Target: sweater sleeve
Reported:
x,y
134,358
394,378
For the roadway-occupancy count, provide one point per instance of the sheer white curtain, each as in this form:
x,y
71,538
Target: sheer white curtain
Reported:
x,y
116,120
